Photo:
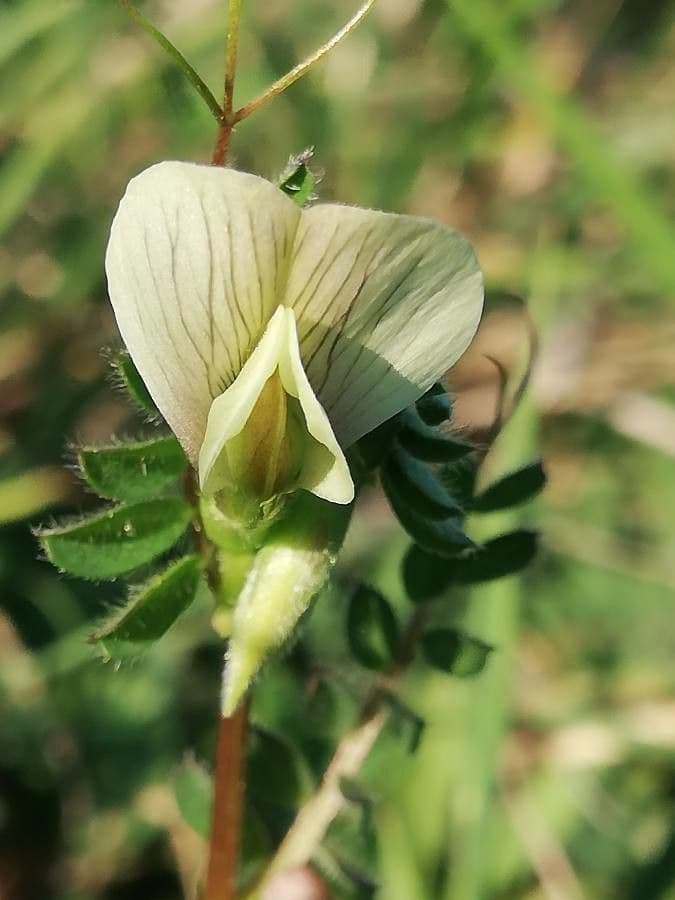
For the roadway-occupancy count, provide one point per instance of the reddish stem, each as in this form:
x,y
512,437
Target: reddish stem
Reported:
x,y
228,806
222,142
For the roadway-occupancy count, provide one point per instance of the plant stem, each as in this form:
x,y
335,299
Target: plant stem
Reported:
x,y
232,46
302,68
227,121
228,804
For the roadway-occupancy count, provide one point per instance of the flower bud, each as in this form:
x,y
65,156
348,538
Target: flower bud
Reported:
x,y
287,573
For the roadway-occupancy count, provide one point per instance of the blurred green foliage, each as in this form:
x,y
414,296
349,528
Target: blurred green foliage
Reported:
x,y
544,131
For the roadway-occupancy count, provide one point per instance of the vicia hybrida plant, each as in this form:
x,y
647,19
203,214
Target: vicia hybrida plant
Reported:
x,y
295,350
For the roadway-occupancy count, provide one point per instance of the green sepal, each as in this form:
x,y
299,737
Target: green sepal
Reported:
x,y
296,180
117,540
443,537
372,629
512,490
134,471
417,486
427,443
132,382
151,609
435,406
455,652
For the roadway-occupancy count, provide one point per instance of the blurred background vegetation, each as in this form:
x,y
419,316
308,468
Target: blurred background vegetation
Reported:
x,y
543,129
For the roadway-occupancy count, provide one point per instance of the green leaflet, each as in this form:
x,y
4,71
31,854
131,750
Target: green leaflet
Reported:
x,y
455,652
276,773
152,609
376,445
183,65
296,180
372,629
504,555
512,489
426,574
136,471
193,790
435,406
443,537
117,540
132,382
417,486
459,479
427,443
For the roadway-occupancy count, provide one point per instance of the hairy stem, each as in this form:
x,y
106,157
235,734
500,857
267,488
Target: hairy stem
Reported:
x,y
231,48
228,805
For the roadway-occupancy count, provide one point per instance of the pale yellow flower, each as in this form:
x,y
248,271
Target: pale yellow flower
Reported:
x,y
271,337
